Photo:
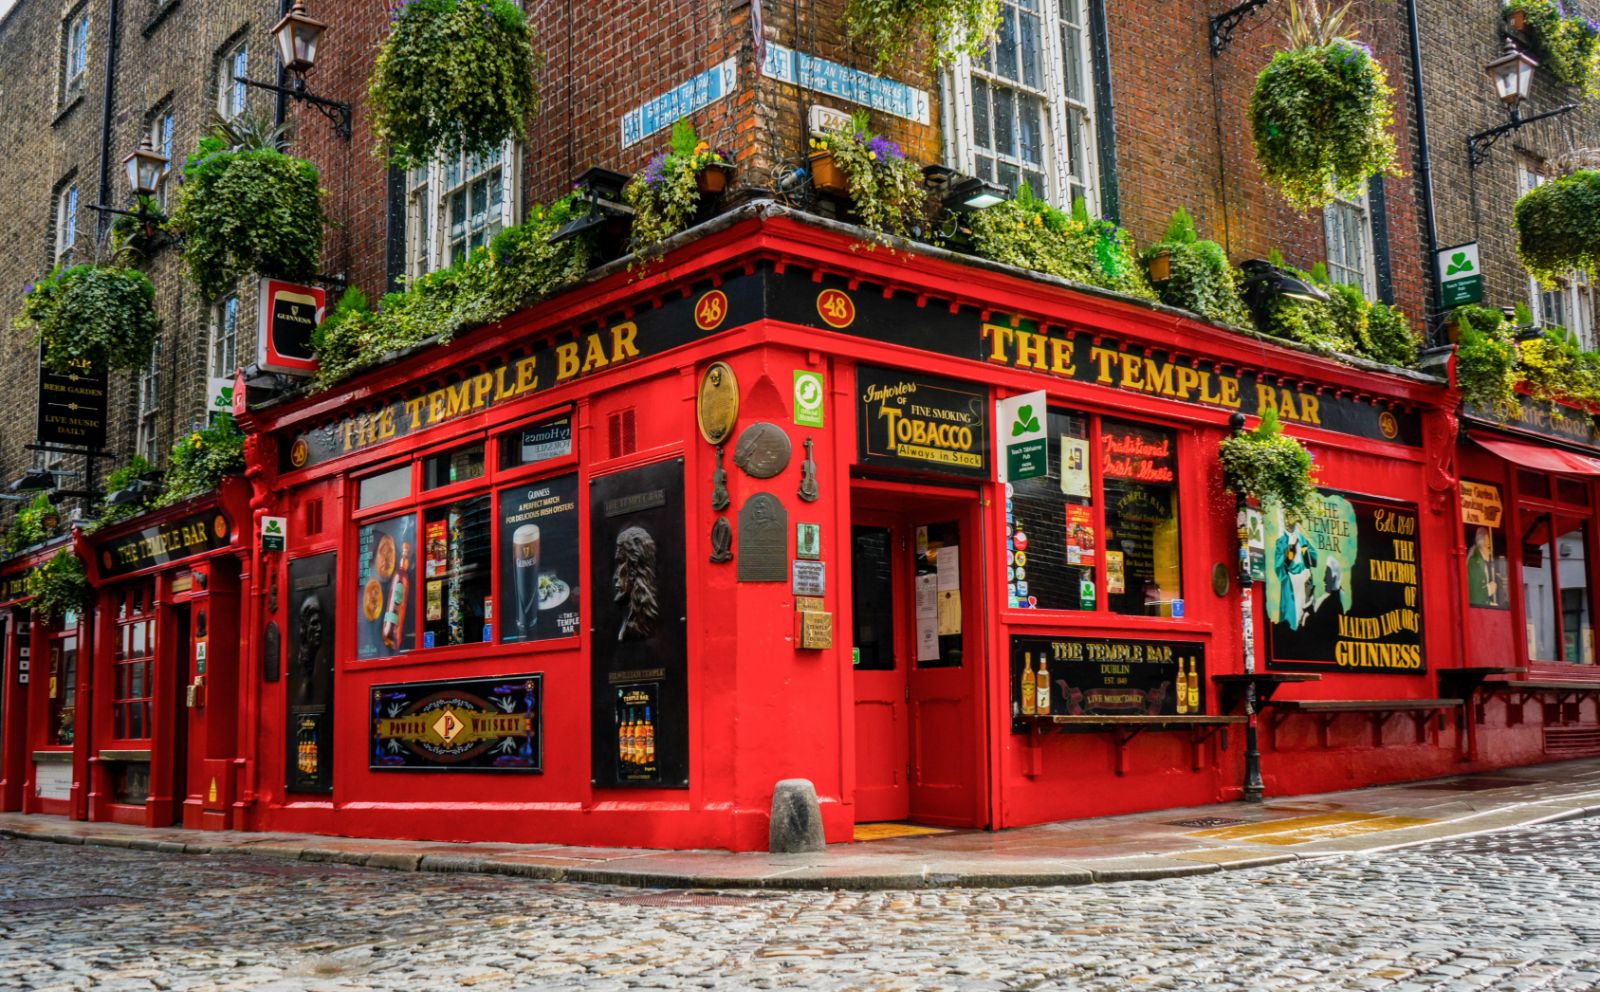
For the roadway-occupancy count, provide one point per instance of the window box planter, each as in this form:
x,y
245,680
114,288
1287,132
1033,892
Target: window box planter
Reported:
x,y
826,176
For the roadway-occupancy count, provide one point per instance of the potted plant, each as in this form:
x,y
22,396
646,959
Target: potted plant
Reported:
x,y
944,29
885,188
92,316
246,207
58,587
33,524
1485,366
453,76
1567,43
1194,275
199,462
1320,112
1558,225
1027,232
674,186
1269,466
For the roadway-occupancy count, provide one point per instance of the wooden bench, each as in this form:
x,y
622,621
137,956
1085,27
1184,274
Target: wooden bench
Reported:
x,y
1234,687
1464,683
1377,712
1528,689
1124,729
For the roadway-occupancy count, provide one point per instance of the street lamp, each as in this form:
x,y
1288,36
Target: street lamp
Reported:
x,y
296,36
1512,74
146,168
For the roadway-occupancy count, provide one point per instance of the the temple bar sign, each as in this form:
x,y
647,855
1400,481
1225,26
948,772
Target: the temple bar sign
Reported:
x,y
287,316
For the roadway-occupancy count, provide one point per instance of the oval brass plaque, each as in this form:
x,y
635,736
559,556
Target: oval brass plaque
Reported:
x,y
763,450
717,405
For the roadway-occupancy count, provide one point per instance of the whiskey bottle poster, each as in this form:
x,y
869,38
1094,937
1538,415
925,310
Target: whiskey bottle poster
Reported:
x,y
387,563
1108,676
639,638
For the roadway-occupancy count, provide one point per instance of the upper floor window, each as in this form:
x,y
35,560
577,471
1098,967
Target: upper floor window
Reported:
x,y
1568,304
235,62
1024,111
74,52
66,220
161,138
225,337
149,394
1347,224
458,204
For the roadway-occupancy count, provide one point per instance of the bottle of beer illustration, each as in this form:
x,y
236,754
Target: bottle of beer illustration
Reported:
x,y
1041,698
1194,688
649,755
1180,689
394,617
1029,684
625,740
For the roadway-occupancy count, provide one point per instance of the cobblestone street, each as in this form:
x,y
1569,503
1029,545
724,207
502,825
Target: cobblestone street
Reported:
x,y
1513,910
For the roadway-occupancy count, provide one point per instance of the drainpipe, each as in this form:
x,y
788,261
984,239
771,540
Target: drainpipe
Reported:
x,y
113,42
1424,166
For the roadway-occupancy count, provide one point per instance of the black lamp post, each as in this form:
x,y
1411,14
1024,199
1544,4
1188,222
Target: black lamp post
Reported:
x,y
1253,785
1512,74
296,36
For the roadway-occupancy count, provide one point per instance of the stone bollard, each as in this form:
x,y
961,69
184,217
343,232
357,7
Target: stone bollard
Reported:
x,y
796,818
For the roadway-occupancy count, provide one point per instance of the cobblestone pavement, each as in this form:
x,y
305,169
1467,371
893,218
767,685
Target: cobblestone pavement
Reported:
x,y
1515,910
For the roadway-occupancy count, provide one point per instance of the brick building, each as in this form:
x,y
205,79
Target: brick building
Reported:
x,y
72,106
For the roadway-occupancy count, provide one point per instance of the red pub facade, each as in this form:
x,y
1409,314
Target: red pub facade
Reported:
x,y
605,572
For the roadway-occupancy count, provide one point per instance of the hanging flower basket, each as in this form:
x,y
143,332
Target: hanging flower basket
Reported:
x,y
1321,113
453,76
942,28
1269,466
1558,225
714,180
100,316
1567,43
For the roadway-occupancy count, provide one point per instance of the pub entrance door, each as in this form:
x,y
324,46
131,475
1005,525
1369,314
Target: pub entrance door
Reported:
x,y
916,609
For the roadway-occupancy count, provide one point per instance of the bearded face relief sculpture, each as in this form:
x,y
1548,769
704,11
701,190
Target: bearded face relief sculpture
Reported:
x,y
633,583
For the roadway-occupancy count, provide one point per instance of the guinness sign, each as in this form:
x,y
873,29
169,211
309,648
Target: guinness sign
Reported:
x,y
288,314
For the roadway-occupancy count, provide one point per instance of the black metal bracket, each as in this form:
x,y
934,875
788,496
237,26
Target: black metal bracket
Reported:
x,y
1478,145
1223,24
338,114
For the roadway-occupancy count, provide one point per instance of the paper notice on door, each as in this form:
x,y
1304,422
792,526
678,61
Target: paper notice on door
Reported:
x,y
927,618
949,568
949,612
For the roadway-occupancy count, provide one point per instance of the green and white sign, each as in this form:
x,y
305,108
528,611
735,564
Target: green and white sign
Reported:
x,y
808,399
274,533
1022,432
1460,276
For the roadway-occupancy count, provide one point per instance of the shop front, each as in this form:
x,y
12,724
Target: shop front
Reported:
x,y
949,542
41,701
1527,542
162,721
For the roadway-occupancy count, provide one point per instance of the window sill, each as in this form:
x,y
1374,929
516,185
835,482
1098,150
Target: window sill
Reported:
x,y
418,657
1112,623
67,108
158,17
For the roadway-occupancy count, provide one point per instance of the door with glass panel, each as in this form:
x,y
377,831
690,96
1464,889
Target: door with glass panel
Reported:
x,y
1556,583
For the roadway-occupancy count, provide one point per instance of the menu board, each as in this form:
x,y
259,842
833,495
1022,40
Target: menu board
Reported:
x,y
386,566
539,560
1104,676
1343,587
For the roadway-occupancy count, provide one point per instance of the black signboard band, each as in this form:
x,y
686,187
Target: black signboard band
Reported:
x,y
164,543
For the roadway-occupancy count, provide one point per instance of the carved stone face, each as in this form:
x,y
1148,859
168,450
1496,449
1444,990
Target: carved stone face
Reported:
x,y
633,582
310,631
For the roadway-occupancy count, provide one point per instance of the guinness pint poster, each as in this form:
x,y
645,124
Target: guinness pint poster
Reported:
x,y
1343,587
921,423
639,694
477,724
539,560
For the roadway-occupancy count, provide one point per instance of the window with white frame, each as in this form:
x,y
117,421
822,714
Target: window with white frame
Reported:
x,y
1347,226
74,52
161,140
1024,111
1569,302
234,62
224,349
66,219
457,204
149,397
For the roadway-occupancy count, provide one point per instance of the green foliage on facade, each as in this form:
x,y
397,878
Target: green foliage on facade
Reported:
x,y
1558,225
1567,45
453,77
1201,280
92,315
201,460
1029,233
58,587
944,29
666,196
1269,466
886,188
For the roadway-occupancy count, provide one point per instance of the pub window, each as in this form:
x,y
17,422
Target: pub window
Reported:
x,y
485,552
1100,531
1557,582
161,139
63,687
134,650
1347,227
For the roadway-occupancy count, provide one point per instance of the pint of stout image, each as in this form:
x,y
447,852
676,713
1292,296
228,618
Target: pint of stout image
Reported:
x,y
525,558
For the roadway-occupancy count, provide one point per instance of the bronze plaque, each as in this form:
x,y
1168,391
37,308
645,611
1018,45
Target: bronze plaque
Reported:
x,y
717,405
763,540
813,630
763,450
